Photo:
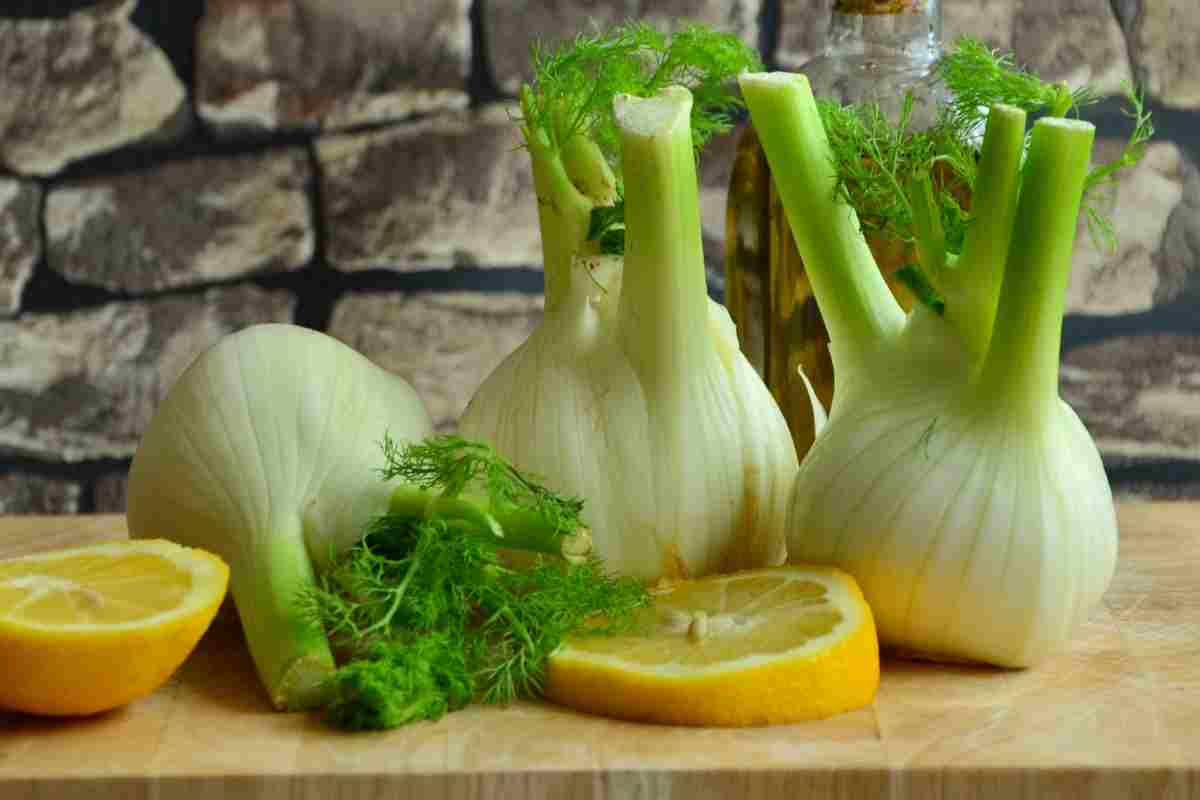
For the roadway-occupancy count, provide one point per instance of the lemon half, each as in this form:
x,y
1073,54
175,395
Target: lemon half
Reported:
x,y
89,629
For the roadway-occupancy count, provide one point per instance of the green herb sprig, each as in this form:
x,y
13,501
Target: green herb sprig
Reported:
x,y
571,97
427,612
891,172
574,83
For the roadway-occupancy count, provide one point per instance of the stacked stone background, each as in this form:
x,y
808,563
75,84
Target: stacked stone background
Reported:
x,y
172,170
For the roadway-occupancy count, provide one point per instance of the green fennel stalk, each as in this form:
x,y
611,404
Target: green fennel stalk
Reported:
x,y
1030,211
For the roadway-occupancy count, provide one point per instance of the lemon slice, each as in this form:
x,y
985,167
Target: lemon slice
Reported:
x,y
752,648
89,629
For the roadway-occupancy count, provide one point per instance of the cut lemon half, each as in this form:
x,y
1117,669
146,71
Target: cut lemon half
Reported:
x,y
759,647
89,629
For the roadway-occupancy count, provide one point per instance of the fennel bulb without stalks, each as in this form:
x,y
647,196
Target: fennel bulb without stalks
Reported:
x,y
632,392
266,451
951,480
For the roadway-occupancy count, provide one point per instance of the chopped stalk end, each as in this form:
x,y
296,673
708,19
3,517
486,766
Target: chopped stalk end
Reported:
x,y
577,547
290,651
1076,127
771,80
305,684
653,116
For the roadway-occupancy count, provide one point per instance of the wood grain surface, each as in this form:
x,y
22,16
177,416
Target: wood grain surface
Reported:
x,y
1115,715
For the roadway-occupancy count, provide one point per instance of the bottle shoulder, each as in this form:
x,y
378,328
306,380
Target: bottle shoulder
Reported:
x,y
878,78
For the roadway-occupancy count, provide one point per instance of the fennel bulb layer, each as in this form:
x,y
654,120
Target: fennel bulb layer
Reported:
x,y
632,392
975,533
568,404
266,452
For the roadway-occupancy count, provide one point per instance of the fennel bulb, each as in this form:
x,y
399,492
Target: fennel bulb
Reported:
x,y
950,479
632,392
265,451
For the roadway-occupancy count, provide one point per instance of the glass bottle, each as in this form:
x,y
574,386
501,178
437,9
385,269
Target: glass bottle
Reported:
x,y
876,51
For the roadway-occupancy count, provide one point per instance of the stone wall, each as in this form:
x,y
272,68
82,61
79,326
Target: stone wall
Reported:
x,y
172,170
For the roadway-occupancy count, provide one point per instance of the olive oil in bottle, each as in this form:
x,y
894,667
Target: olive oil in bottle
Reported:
x,y
876,51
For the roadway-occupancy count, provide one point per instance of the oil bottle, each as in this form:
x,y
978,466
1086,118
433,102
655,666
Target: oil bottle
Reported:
x,y
876,51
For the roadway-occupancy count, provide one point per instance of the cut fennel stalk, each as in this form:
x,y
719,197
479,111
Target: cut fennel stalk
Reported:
x,y
950,479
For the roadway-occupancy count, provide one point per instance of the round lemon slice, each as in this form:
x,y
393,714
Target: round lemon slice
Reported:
x,y
760,647
89,629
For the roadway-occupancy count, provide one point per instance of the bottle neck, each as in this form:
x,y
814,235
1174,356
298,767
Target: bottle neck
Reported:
x,y
900,30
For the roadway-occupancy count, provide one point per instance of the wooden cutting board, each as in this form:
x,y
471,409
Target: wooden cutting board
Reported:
x,y
1117,714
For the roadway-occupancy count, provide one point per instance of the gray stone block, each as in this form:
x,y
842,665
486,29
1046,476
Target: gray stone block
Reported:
x,y
183,222
512,26
20,239
84,385
1154,213
1165,38
23,493
453,190
1077,41
285,64
444,344
803,26
1179,259
1143,491
1139,396
85,84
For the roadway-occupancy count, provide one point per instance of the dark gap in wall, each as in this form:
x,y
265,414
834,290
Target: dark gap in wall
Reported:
x,y
87,495
45,9
1127,12
197,143
41,269
319,286
49,292
63,470
85,473
491,280
768,31
480,84
172,25
1181,316
1168,479
1170,124
316,286
55,294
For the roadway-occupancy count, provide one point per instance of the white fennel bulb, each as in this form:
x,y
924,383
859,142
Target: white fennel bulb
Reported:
x,y
266,451
950,479
632,393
